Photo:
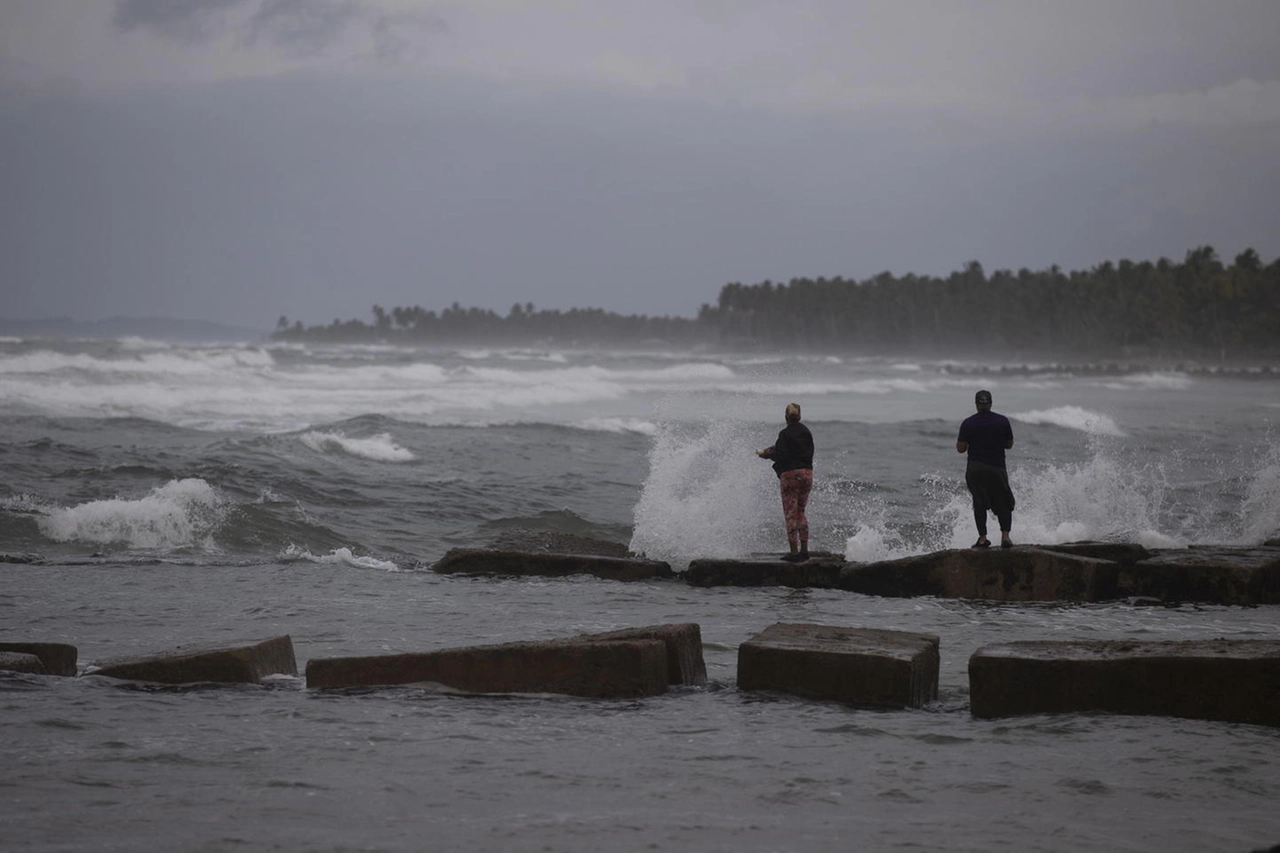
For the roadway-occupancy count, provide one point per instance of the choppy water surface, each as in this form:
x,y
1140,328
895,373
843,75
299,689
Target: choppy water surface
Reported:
x,y
175,494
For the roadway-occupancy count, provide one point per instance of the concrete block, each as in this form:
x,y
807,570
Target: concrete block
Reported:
x,y
58,658
1018,574
591,668
1235,680
478,561
1208,575
21,662
187,665
860,666
683,643
819,571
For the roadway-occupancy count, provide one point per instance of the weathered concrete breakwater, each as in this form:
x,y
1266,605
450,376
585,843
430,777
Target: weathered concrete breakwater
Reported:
x,y
1076,572
1229,680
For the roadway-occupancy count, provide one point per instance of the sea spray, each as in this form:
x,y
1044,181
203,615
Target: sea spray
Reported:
x,y
707,494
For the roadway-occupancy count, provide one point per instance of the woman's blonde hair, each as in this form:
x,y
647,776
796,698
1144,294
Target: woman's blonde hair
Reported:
x,y
793,411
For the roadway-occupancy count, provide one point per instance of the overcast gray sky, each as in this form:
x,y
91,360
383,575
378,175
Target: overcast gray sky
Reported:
x,y
235,160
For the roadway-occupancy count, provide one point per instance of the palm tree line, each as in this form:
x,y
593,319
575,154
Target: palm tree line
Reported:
x,y
1200,306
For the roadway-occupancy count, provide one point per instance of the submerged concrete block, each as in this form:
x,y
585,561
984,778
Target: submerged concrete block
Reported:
x,y
821,570
996,574
683,642
58,658
861,666
187,665
1209,575
21,662
479,561
591,668
1234,680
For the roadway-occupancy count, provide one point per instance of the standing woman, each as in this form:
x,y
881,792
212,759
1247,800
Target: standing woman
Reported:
x,y
792,456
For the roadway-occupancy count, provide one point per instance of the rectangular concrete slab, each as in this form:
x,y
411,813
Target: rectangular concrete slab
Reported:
x,y
1022,573
683,642
187,665
592,668
58,658
479,561
1235,680
1213,575
861,666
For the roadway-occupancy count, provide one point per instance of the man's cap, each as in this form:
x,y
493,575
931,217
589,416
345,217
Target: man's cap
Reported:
x,y
982,398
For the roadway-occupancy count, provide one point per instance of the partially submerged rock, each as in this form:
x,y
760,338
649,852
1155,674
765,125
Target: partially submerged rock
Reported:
x,y
1232,680
478,561
21,662
860,666
56,658
821,570
188,665
683,643
1022,573
585,667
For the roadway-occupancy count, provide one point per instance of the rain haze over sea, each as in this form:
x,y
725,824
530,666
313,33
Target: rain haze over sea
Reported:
x,y
181,493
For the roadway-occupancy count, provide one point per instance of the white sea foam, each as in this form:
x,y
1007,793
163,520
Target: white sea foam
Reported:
x,y
338,556
1153,381
379,448
620,425
181,513
1072,417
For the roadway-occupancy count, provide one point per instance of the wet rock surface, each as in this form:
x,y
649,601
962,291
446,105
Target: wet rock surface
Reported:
x,y
859,666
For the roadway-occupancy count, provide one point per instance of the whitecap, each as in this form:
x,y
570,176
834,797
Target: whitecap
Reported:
x,y
620,425
379,448
1072,417
181,513
338,556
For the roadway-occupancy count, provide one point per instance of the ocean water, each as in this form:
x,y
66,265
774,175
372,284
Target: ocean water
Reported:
x,y
161,494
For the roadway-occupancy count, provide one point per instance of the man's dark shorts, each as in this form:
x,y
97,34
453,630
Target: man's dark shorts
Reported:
x,y
989,486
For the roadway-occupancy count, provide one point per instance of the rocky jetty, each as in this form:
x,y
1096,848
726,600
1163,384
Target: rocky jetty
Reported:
x,y
1231,680
188,665
1078,572
859,666
480,561
55,658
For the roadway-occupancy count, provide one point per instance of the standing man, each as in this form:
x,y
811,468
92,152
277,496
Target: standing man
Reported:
x,y
792,456
985,437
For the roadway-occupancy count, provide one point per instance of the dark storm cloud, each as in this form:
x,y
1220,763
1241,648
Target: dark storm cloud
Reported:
x,y
184,20
301,27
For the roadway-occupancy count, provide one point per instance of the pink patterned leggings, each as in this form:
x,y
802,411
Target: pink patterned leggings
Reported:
x,y
796,486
